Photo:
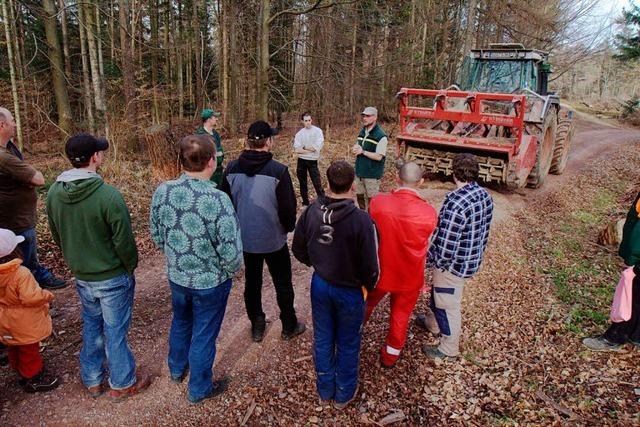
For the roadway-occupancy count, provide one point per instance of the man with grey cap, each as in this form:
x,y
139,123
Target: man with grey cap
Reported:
x,y
90,222
370,150
209,122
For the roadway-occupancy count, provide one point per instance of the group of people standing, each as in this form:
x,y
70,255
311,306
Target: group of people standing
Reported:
x,y
211,220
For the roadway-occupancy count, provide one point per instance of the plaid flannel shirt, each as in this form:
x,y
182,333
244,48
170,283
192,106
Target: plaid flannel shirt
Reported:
x,y
461,237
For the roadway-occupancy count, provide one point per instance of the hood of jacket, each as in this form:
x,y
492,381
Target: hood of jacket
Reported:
x,y
331,211
76,185
10,266
251,161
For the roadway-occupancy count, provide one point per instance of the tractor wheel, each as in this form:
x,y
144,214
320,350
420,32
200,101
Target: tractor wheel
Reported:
x,y
544,153
564,135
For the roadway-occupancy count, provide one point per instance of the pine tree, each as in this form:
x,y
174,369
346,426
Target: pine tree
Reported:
x,y
629,45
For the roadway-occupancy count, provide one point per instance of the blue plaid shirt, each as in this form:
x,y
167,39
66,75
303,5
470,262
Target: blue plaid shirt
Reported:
x,y
461,237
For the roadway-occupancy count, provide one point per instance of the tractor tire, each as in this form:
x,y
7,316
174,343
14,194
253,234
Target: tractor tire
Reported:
x,y
564,135
544,153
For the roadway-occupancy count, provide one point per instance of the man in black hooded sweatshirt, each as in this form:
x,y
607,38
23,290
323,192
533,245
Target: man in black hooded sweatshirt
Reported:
x,y
263,197
339,241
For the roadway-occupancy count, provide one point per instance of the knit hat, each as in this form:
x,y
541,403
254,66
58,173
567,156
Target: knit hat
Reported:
x,y
8,241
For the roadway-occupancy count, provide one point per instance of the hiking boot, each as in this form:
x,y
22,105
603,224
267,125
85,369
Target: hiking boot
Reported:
x,y
257,329
432,352
387,360
341,405
95,391
54,283
299,328
41,383
219,387
141,384
179,378
600,343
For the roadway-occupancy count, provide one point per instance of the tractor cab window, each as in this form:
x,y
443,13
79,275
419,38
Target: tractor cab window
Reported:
x,y
497,76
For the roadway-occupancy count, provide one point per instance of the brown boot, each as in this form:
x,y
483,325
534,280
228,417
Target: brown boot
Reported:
x,y
142,382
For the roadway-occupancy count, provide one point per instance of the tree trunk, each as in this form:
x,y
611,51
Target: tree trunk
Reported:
x,y
12,72
99,34
126,62
179,76
98,91
155,110
472,12
262,81
57,70
199,47
86,82
65,38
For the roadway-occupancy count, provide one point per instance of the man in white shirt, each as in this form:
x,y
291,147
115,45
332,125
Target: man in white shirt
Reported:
x,y
307,144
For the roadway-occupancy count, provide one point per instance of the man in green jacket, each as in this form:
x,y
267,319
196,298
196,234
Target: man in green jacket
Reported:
x,y
619,333
370,150
209,122
90,222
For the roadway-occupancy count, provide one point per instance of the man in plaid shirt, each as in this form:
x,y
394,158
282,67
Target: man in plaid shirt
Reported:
x,y
456,254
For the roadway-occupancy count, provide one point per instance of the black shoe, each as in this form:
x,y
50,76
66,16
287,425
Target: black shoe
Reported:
x,y
219,387
257,329
4,359
179,378
41,383
300,328
54,283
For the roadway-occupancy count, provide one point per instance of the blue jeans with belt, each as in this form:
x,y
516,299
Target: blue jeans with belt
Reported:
x,y
338,313
29,250
197,317
107,306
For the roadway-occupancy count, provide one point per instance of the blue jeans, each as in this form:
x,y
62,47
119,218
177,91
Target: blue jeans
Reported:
x,y
106,313
338,313
197,317
29,250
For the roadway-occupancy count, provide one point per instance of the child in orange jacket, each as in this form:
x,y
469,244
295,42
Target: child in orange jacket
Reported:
x,y
24,316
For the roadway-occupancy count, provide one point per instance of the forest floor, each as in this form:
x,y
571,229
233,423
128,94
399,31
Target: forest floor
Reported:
x,y
545,284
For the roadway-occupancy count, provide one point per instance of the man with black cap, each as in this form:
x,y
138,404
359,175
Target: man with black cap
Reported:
x,y
18,198
90,222
263,197
370,150
209,122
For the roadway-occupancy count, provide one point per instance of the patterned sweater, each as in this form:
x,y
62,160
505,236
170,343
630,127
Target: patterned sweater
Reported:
x,y
196,227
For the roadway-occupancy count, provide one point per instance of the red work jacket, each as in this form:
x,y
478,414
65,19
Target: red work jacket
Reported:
x,y
405,222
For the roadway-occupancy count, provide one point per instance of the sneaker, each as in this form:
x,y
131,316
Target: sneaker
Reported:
x,y
141,384
635,343
341,405
257,329
600,343
433,352
95,391
54,283
41,383
300,328
421,321
219,387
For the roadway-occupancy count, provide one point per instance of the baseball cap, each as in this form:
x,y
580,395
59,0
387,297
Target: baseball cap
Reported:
x,y
207,113
82,146
261,130
370,111
8,241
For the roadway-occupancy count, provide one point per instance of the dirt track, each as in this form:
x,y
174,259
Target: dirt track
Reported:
x,y
255,367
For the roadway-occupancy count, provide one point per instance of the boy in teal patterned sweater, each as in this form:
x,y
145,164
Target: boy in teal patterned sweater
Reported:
x,y
195,225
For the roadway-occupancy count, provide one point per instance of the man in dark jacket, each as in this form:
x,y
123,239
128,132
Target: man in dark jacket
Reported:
x,y
339,241
262,195
90,222
619,333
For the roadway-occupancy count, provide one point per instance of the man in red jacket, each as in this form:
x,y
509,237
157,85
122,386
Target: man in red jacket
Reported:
x,y
405,222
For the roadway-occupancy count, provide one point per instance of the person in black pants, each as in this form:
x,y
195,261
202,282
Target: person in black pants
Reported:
x,y
307,144
262,195
619,333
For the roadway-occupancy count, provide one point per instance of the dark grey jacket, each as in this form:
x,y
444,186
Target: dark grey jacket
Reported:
x,y
262,194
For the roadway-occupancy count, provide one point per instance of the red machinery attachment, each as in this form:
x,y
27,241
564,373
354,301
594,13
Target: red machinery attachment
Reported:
x,y
489,125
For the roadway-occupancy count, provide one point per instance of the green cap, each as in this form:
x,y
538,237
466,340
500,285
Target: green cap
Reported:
x,y
207,113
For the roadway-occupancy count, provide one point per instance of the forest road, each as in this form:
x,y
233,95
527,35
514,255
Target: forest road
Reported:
x,y
237,355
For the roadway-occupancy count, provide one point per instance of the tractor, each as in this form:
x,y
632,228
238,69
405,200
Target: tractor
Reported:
x,y
500,110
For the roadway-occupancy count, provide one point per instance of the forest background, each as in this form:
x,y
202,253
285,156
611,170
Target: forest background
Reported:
x,y
116,67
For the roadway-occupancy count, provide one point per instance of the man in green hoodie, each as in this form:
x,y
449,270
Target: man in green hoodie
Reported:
x,y
90,222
